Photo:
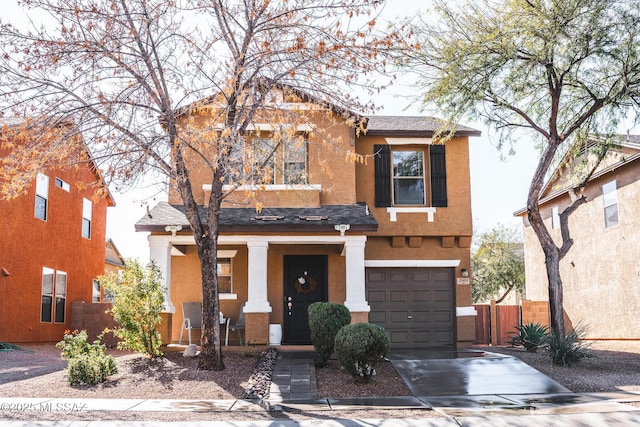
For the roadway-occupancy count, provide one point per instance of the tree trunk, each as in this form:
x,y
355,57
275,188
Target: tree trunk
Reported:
x,y
549,247
552,261
211,352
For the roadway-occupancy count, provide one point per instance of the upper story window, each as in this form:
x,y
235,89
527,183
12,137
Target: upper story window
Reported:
x,y
278,163
62,184
610,203
555,218
410,177
86,218
42,196
54,285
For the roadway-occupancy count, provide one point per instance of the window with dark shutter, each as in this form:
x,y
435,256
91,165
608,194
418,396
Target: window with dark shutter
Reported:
x,y
382,168
438,177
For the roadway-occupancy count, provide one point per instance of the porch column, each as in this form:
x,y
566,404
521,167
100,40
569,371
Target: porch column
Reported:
x,y
356,294
258,301
160,253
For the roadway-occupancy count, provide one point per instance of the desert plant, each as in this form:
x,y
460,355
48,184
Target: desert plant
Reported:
x,y
90,369
531,336
571,349
325,320
88,363
138,299
360,347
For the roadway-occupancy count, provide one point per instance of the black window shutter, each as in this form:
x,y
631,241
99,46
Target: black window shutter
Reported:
x,y
438,177
382,175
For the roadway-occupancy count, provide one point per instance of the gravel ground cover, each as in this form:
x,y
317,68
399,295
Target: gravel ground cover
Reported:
x,y
39,372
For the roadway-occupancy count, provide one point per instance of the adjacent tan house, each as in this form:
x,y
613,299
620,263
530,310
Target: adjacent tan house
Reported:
x,y
601,272
388,236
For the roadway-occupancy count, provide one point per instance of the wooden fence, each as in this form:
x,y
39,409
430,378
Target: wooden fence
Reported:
x,y
495,324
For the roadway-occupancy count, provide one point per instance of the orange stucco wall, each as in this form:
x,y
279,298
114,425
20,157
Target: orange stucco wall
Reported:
x,y
28,244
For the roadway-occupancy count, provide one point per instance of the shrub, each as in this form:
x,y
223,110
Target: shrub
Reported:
x,y
360,347
88,363
90,369
531,336
325,320
138,299
569,350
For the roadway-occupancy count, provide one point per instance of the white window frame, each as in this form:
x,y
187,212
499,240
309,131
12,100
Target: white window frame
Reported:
x,y
610,203
57,295
47,292
60,296
42,196
96,292
422,177
63,184
87,210
555,218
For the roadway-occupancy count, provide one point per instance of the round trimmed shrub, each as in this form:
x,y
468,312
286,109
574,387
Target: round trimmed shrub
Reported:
x,y
360,347
325,320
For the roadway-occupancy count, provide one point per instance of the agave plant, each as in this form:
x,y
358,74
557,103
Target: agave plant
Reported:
x,y
531,336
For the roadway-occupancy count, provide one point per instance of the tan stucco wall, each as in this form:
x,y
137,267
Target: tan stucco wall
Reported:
x,y
453,220
186,284
327,163
601,272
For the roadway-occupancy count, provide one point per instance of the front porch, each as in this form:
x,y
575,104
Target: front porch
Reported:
x,y
259,280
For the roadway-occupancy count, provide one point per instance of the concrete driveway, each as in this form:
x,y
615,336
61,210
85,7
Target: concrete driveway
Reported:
x,y
467,373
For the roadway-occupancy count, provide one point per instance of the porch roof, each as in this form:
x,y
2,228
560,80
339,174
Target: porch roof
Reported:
x,y
318,219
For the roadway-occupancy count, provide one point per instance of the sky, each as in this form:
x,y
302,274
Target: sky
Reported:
x,y
498,187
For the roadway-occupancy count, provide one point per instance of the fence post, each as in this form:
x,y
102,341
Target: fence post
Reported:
x,y
493,315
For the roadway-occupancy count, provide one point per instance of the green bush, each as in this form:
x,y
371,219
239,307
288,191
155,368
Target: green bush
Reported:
x,y
88,363
531,336
569,350
90,369
360,347
138,299
325,320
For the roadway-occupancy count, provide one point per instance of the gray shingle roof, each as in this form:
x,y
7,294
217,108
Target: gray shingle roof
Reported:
x,y
244,219
411,126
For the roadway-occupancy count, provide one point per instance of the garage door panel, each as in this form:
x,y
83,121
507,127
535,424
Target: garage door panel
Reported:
x,y
377,296
399,296
415,305
398,277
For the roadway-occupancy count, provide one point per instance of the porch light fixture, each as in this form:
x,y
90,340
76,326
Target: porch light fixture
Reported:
x,y
464,272
342,228
173,229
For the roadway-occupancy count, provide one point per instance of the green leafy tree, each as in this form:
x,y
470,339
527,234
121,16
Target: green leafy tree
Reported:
x,y
550,72
138,299
128,75
497,264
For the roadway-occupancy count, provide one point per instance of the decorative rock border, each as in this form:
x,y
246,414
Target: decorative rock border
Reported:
x,y
260,380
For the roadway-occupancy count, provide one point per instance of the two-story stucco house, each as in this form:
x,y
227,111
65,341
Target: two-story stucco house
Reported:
x,y
389,237
601,272
51,251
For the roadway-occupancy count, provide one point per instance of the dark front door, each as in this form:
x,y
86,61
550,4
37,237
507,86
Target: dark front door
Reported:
x,y
305,282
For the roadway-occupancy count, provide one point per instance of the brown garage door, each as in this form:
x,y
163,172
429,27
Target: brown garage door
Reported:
x,y
415,305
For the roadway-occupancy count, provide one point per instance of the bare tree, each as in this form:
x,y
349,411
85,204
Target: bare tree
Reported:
x,y
154,84
548,71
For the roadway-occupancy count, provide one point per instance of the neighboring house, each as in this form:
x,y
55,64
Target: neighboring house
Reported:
x,y
113,263
51,250
388,237
601,272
